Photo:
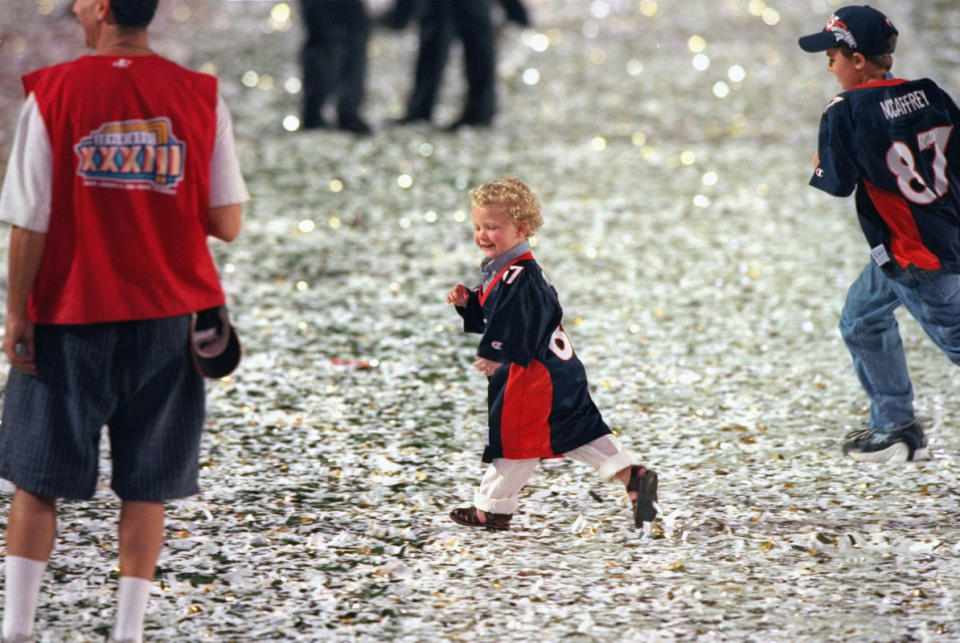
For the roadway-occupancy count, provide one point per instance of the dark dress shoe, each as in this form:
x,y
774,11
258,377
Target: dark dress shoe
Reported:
x,y
411,119
468,517
354,124
469,122
644,482
313,122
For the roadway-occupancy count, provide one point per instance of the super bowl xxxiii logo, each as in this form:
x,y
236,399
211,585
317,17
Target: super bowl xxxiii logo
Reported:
x,y
134,153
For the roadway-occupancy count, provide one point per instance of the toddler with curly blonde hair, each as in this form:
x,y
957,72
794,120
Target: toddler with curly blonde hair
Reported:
x,y
538,402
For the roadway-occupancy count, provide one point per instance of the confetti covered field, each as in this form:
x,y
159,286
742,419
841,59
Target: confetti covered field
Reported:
x,y
670,143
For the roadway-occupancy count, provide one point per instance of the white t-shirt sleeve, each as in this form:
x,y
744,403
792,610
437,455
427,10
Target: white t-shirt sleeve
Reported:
x,y
226,182
26,196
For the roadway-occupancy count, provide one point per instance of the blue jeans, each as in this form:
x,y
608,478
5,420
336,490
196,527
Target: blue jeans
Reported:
x,y
872,335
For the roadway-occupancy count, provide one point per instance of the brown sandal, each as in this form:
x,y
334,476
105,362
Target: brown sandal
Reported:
x,y
468,516
644,482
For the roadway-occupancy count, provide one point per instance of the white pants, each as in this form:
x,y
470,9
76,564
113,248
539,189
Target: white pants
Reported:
x,y
504,478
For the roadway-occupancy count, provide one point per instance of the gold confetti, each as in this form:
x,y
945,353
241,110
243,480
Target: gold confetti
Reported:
x,y
696,44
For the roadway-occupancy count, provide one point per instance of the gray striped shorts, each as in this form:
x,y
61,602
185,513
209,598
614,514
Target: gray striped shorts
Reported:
x,y
134,377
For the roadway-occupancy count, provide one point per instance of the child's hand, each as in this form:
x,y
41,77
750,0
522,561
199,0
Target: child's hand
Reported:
x,y
458,295
486,366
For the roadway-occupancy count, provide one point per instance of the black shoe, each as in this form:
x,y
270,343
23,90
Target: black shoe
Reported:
x,y
468,516
899,445
644,482
354,124
469,122
314,122
411,119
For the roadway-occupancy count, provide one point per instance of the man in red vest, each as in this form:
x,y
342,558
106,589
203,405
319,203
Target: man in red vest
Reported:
x,y
123,164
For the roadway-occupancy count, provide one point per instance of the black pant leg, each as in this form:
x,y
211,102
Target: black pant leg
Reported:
x,y
436,32
400,13
355,33
317,59
475,28
516,12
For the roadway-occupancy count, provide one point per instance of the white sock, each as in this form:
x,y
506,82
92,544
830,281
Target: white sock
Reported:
x,y
132,595
22,591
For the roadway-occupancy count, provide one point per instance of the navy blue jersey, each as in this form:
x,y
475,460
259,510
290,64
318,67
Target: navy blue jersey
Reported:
x,y
538,402
894,141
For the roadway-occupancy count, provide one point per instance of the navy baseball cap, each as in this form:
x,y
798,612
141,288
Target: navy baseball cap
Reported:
x,y
214,344
862,28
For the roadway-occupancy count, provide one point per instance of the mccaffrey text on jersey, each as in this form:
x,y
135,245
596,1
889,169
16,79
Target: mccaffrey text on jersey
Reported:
x,y
900,105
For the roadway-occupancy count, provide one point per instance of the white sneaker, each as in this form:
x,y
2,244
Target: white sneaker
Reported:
x,y
901,445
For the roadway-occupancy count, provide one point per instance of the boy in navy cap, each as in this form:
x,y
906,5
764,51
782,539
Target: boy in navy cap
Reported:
x,y
893,141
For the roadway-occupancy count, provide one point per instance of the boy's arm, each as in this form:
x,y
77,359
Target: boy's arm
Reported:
x,y
835,172
472,313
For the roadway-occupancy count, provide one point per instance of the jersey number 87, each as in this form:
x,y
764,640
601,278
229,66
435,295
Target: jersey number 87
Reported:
x,y
903,165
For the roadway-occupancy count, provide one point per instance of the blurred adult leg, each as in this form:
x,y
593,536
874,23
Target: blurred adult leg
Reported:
x,y
400,13
516,12
436,32
355,33
318,58
475,28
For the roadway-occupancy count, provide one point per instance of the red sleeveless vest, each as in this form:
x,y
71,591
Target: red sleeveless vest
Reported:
x,y
132,140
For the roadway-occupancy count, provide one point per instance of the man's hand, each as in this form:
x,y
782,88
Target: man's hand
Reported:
x,y
26,251
486,366
458,295
18,343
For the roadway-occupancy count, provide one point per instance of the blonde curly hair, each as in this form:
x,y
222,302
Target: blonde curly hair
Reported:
x,y
516,198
